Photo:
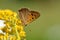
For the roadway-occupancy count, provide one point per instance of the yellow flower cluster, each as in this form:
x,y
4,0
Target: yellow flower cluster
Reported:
x,y
13,29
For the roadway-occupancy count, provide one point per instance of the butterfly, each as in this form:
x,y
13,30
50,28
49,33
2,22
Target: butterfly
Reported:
x,y
27,16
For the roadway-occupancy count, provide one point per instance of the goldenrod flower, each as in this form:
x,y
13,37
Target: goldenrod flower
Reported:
x,y
13,29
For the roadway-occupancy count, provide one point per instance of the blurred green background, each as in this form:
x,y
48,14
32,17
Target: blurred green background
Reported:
x,y
47,26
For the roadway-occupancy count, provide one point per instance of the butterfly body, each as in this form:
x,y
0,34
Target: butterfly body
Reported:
x,y
28,16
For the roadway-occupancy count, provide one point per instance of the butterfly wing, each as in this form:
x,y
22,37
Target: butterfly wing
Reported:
x,y
27,16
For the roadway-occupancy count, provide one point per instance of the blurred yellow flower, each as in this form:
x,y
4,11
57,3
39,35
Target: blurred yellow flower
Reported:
x,y
13,29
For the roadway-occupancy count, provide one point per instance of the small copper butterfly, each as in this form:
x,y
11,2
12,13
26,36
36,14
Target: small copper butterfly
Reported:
x,y
27,16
